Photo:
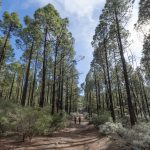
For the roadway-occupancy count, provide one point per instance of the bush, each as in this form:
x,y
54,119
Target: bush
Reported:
x,y
28,121
6,108
4,122
43,124
23,122
138,136
101,119
109,128
59,121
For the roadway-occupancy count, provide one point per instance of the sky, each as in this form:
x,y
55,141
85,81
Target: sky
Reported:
x,y
83,17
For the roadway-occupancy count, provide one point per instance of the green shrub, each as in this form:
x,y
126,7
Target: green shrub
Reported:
x,y
101,119
4,122
59,121
43,124
23,121
109,128
6,108
138,136
86,116
29,121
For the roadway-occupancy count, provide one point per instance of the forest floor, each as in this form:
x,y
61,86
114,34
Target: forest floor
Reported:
x,y
76,137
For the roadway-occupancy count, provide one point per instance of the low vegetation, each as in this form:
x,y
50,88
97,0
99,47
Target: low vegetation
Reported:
x,y
100,119
138,136
28,121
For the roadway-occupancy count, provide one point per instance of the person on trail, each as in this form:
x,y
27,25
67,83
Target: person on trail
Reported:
x,y
75,120
79,120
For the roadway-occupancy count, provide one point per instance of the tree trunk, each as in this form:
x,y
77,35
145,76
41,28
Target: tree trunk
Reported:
x,y
99,96
109,84
106,88
42,97
119,87
96,91
130,105
70,103
12,85
62,85
34,81
2,52
23,100
54,79
67,96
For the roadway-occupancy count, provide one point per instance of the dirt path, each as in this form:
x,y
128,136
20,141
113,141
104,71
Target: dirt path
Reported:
x,y
76,137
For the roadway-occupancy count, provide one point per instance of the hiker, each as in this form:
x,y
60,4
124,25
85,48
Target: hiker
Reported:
x,y
79,120
75,120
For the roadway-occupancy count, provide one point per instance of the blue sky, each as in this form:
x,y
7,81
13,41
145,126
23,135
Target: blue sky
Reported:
x,y
83,16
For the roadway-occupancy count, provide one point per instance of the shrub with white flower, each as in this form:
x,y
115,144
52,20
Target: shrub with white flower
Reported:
x,y
109,128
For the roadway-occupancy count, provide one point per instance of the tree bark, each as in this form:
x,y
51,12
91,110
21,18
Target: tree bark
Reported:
x,y
130,105
54,80
12,85
23,100
42,97
2,52
109,84
34,81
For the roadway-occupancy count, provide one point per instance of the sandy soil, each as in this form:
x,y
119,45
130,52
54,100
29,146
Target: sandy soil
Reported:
x,y
76,137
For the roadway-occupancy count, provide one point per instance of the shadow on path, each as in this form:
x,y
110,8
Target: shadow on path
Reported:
x,y
83,137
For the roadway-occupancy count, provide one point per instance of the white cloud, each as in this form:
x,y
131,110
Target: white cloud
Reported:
x,y
81,8
136,38
84,16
